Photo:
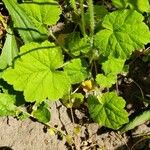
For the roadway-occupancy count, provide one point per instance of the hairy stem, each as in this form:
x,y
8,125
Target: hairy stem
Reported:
x,y
46,124
91,11
73,4
53,36
82,18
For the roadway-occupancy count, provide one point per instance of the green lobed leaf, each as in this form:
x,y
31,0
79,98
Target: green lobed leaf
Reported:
x,y
120,3
35,72
9,51
42,113
42,11
138,120
22,22
73,100
77,99
76,45
140,5
113,66
106,80
143,5
124,32
7,105
76,71
108,110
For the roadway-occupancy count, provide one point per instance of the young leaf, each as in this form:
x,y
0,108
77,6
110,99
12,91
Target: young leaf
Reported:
x,y
22,116
140,5
124,32
145,116
143,5
9,51
73,100
108,110
27,30
42,11
69,139
120,3
106,80
7,107
42,113
77,130
76,71
36,74
76,45
113,66
77,99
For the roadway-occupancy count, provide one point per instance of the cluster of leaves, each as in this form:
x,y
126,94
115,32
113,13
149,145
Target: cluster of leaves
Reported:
x,y
90,59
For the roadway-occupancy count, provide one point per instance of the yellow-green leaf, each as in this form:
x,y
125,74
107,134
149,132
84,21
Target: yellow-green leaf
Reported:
x,y
35,72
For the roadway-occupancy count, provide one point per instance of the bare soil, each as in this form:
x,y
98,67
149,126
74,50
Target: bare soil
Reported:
x,y
29,135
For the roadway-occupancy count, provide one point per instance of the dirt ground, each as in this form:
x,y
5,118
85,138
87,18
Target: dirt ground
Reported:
x,y
29,135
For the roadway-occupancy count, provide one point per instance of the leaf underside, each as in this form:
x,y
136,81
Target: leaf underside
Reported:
x,y
9,51
138,120
23,24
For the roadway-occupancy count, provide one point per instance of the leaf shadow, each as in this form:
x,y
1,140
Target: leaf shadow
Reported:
x,y
43,36
29,51
5,148
19,95
36,3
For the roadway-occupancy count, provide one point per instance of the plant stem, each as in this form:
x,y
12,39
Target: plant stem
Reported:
x,y
53,36
82,18
72,116
73,4
91,11
46,124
